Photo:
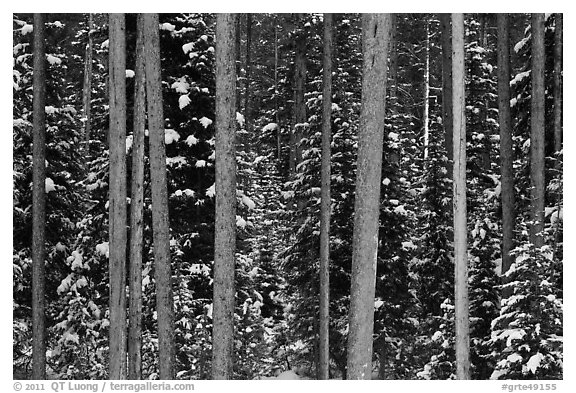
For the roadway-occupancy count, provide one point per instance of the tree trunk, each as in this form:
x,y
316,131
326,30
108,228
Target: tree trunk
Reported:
x,y
558,59
446,31
537,131
276,92
225,227
299,102
117,209
425,115
483,34
247,118
136,212
87,89
459,201
394,64
160,221
38,201
375,39
238,64
506,152
325,200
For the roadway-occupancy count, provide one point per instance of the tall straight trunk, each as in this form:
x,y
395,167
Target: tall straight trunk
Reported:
x,y
394,63
247,118
483,34
425,115
299,102
325,200
238,63
506,152
375,39
558,59
87,88
225,226
276,92
446,36
537,131
136,212
459,201
160,221
38,201
117,210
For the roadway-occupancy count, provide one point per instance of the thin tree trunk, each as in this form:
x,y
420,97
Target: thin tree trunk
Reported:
x,y
425,115
238,64
117,210
446,35
558,59
537,131
506,152
225,226
325,200
247,118
375,39
136,212
276,92
299,102
394,64
160,220
459,184
483,39
38,201
87,88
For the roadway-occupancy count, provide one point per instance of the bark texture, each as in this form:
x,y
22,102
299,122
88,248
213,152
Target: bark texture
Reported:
x,y
87,88
446,35
375,38
325,201
393,90
117,209
299,102
160,221
558,63
459,201
247,108
425,115
38,201
276,92
537,131
225,227
136,212
506,152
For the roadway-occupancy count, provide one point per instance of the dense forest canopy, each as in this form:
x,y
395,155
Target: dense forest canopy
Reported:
x,y
265,179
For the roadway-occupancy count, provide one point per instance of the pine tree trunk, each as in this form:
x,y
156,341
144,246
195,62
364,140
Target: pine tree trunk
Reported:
x,y
325,200
160,221
558,60
459,201
225,226
375,38
117,209
425,115
299,102
238,64
537,131
136,212
38,201
394,65
276,92
506,152
87,88
247,118
446,35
